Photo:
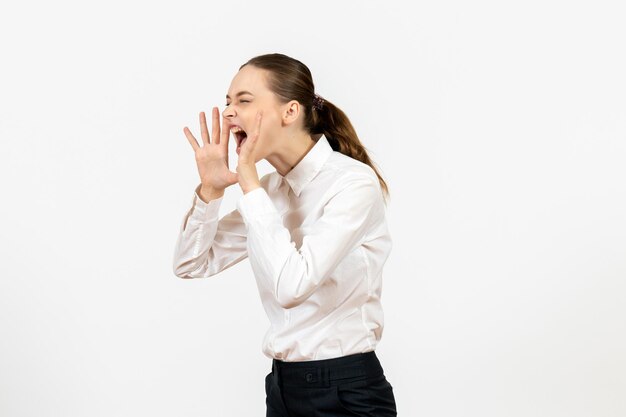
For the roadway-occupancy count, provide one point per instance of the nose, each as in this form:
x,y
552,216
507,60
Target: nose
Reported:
x,y
228,113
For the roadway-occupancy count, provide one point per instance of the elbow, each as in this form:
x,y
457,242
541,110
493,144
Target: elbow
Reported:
x,y
184,276
289,299
183,271
191,270
289,302
295,287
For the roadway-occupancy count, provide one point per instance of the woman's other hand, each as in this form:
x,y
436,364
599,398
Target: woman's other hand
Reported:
x,y
246,165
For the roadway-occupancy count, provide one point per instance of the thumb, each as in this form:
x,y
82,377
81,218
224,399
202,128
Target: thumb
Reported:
x,y
233,177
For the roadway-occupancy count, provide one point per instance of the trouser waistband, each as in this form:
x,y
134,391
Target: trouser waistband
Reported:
x,y
320,373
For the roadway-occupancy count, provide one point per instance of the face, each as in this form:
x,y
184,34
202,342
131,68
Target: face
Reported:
x,y
248,93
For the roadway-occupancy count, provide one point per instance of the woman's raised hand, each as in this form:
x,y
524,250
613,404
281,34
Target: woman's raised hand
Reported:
x,y
212,156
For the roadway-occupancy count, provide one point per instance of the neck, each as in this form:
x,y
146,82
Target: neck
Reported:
x,y
291,151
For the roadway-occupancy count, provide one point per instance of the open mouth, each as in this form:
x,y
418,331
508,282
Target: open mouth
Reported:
x,y
240,136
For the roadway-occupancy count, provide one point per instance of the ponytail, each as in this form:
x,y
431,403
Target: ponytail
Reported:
x,y
337,128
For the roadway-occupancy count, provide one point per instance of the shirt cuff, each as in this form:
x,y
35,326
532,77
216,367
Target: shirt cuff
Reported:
x,y
255,204
206,211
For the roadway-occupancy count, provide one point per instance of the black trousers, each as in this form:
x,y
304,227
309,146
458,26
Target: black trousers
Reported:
x,y
352,385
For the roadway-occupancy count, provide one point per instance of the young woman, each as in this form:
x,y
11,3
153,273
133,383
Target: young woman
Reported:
x,y
314,231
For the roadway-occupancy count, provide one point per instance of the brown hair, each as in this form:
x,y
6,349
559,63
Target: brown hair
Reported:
x,y
290,79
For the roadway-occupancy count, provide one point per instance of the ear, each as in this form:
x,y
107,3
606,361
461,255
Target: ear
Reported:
x,y
291,112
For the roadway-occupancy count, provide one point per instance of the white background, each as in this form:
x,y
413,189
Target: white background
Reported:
x,y
499,126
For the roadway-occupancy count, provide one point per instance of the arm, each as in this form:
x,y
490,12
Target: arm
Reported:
x,y
207,245
294,274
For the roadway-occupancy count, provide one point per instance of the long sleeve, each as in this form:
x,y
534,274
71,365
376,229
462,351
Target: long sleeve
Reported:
x,y
293,274
207,245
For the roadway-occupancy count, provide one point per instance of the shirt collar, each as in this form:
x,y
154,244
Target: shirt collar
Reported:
x,y
309,165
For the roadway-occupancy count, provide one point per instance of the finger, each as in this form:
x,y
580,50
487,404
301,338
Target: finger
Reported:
x,y
225,132
257,130
191,139
259,118
216,125
203,129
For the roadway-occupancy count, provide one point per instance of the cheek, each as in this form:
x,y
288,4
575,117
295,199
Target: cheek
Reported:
x,y
268,124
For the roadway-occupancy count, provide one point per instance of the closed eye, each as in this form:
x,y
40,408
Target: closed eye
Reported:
x,y
241,101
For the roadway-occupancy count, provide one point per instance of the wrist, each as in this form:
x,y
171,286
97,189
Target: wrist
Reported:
x,y
208,193
253,187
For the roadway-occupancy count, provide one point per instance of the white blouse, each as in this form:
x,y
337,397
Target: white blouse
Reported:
x,y
317,239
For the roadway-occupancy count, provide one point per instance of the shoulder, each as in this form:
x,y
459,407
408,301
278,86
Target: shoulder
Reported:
x,y
353,187
349,172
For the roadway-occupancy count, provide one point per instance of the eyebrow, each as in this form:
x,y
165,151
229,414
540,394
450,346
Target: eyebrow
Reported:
x,y
240,94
